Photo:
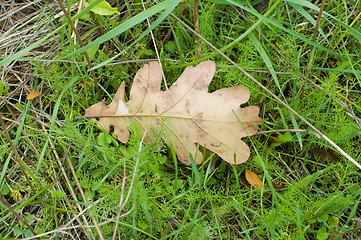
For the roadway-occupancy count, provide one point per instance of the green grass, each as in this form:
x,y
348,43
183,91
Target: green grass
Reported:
x,y
61,177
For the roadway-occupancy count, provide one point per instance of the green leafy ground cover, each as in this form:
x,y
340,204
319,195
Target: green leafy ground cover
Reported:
x,y
63,178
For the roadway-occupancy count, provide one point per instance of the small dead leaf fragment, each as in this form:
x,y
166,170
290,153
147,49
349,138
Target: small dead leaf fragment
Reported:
x,y
276,185
276,139
253,179
187,112
32,94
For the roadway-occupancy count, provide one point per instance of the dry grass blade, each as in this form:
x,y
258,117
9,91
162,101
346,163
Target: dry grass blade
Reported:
x,y
22,23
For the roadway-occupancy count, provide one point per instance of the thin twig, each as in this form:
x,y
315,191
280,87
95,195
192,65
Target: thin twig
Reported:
x,y
81,43
287,130
315,35
18,216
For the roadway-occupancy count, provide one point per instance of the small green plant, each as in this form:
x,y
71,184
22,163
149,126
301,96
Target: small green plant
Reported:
x,y
3,88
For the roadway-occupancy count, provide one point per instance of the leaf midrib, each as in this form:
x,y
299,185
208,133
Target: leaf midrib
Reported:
x,y
156,116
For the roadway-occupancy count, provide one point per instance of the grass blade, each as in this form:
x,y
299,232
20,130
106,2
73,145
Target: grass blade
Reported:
x,y
127,25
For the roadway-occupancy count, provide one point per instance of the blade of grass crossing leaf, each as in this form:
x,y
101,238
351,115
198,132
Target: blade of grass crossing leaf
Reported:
x,y
126,25
55,113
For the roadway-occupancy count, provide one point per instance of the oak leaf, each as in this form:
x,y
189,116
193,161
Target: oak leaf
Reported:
x,y
189,113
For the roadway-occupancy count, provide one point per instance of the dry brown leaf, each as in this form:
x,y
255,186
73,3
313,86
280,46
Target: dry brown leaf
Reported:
x,y
32,94
191,114
253,179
